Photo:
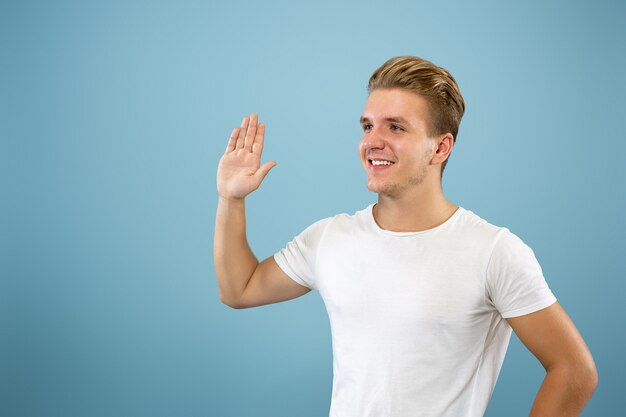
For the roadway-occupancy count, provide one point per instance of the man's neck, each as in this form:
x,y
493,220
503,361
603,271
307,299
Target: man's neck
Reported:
x,y
421,210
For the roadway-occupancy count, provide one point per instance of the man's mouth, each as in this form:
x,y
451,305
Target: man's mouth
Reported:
x,y
379,163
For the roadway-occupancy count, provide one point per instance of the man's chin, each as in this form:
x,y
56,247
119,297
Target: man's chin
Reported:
x,y
375,188
382,189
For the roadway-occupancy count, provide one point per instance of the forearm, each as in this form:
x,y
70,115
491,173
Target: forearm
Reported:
x,y
563,393
233,259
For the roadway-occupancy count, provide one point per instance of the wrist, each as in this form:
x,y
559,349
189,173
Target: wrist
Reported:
x,y
231,200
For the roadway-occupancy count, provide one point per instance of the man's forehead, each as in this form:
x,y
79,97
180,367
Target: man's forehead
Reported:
x,y
385,118
396,106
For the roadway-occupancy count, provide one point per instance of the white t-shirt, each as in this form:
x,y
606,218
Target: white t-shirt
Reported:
x,y
417,318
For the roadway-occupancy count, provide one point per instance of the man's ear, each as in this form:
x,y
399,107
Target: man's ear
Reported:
x,y
444,145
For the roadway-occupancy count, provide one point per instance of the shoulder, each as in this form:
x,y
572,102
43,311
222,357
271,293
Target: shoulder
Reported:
x,y
496,240
478,230
508,254
337,222
344,220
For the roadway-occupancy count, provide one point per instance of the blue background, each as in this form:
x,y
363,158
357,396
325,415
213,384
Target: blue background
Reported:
x,y
114,116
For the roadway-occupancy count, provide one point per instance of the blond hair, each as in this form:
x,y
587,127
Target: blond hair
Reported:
x,y
434,83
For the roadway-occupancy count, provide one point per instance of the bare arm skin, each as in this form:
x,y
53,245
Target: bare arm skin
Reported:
x,y
242,281
571,376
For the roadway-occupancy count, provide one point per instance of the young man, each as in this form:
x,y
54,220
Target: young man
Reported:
x,y
421,294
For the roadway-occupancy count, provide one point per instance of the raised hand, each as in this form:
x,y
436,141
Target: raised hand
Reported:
x,y
239,171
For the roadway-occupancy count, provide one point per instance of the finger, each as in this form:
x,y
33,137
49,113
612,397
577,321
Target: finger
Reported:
x,y
249,139
242,133
263,170
232,142
257,146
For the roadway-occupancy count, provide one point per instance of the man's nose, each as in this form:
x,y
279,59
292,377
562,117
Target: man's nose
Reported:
x,y
373,139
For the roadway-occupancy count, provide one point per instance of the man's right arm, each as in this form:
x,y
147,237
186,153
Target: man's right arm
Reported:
x,y
244,282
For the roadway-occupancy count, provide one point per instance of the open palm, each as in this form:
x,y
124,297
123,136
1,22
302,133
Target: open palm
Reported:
x,y
240,171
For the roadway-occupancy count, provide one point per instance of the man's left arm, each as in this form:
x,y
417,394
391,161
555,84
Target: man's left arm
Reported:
x,y
571,375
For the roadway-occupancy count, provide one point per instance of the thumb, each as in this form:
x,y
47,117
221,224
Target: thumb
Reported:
x,y
264,169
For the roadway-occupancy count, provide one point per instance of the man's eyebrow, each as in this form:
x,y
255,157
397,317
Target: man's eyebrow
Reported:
x,y
396,119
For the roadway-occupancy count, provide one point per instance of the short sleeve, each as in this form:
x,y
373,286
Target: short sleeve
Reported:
x,y
515,282
297,258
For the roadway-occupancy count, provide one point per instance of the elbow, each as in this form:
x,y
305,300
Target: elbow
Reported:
x,y
231,303
588,383
582,379
588,376
227,302
592,379
228,299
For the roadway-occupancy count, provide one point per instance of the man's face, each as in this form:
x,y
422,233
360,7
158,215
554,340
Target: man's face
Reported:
x,y
394,126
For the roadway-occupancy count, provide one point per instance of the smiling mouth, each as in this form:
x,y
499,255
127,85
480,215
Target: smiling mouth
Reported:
x,y
376,163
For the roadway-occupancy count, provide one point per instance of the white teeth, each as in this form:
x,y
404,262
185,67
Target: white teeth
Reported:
x,y
382,163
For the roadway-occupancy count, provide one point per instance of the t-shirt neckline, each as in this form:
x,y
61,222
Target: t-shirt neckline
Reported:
x,y
372,221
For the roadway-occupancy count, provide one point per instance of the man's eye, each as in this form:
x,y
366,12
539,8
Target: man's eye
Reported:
x,y
396,128
367,127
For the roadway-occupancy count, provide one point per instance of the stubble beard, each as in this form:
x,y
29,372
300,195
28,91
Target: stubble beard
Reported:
x,y
394,190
